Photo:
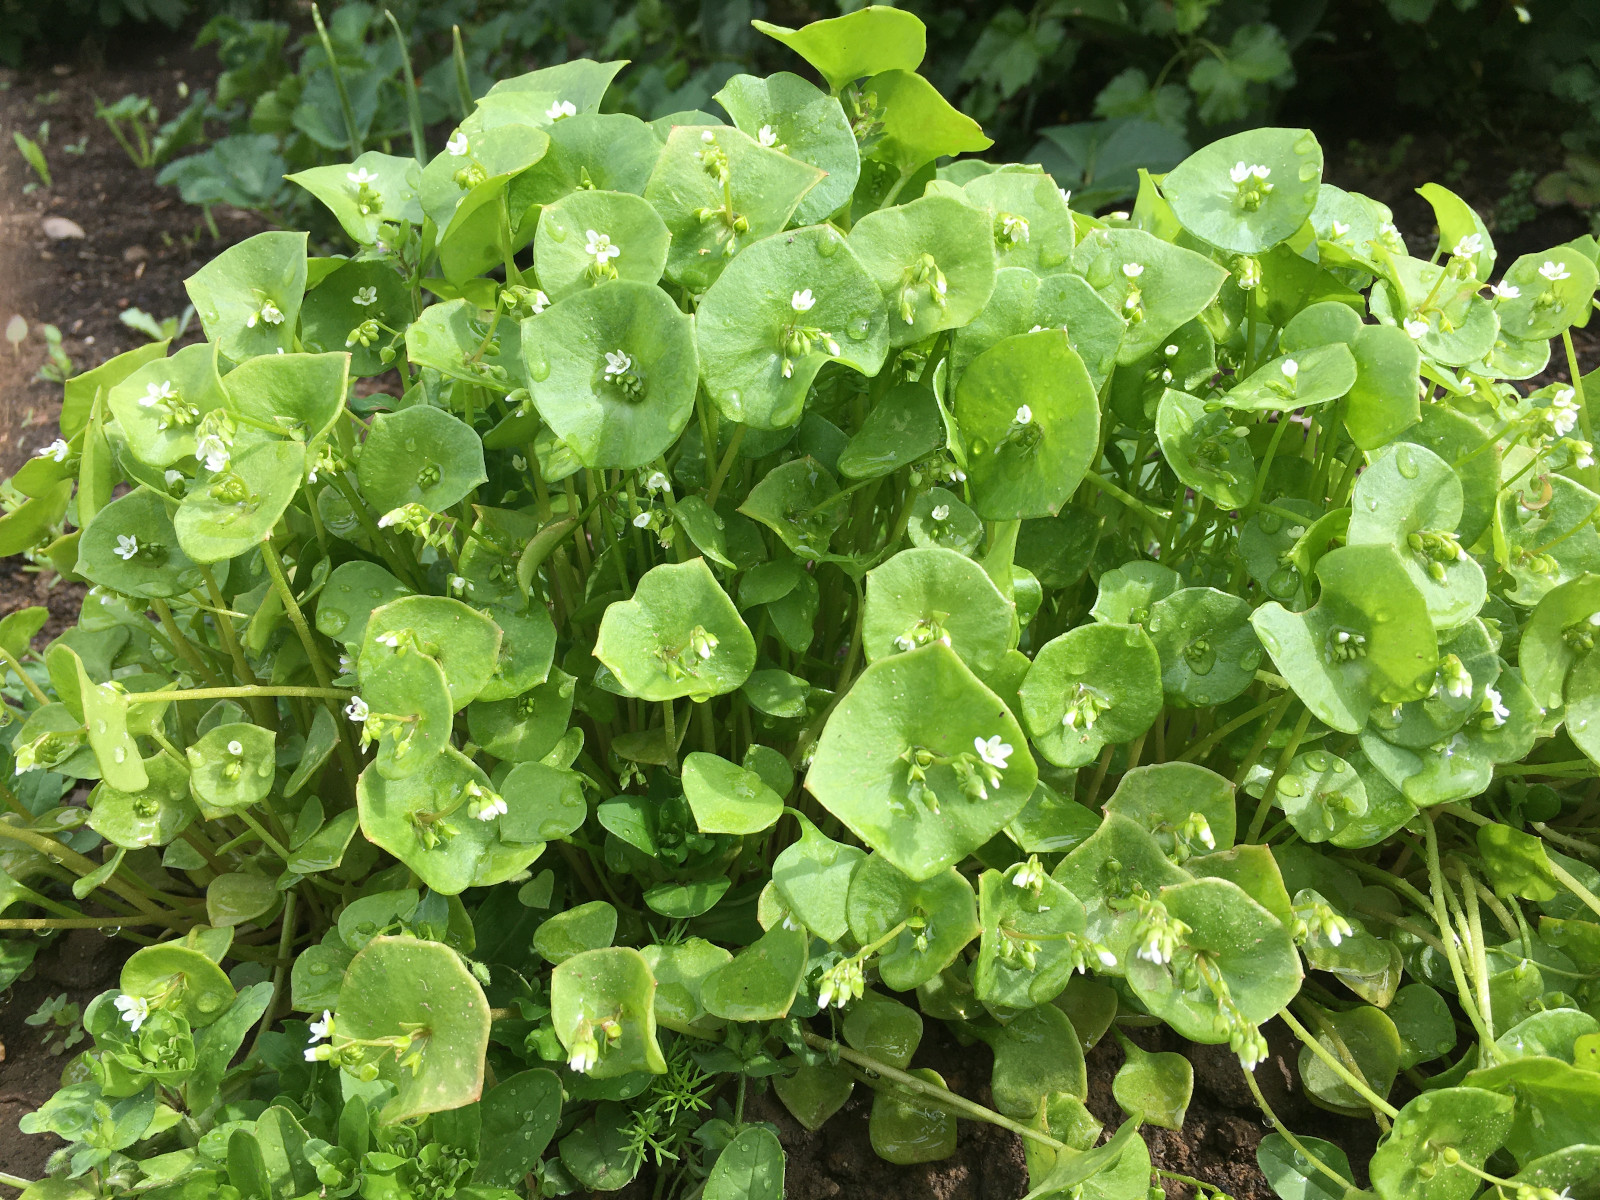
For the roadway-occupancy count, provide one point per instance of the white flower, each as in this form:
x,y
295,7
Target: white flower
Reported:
x,y
617,364
1170,350
561,108
155,393
994,752
1524,16
390,639
1240,172
941,512
1133,270
658,482
56,450
1024,415
766,137
134,1010
1066,195
1414,328
802,301
1107,959
213,451
127,546
1029,874
493,806
361,177
357,709
1260,172
1151,951
236,749
172,477
268,313
1290,368
707,136
1340,229
1469,247
365,297
540,302
1583,453
641,520
457,145
1553,271
322,1029
1498,711
1505,291
584,1056
1563,412
600,246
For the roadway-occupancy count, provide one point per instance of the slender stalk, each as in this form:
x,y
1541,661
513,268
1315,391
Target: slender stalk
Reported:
x,y
1271,790
419,144
350,129
35,924
724,466
1441,918
1300,1147
181,644
1351,1080
285,952
463,86
75,862
238,693
27,682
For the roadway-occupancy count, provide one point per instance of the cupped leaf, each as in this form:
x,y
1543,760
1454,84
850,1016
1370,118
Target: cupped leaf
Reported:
x,y
679,635
398,986
727,798
1209,652
131,547
1153,285
1166,798
464,642
1031,422
1468,1121
1248,192
160,404
865,42
419,455
631,241
1205,449
935,917
248,297
922,761
933,261
364,194
1095,685
761,981
804,123
235,510
919,125
936,595
782,308
613,371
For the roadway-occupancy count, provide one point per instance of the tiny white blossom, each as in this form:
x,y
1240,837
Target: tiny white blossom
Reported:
x,y
1414,328
561,108
134,1010
1133,270
155,393
658,482
518,463
361,177
1024,415
1498,711
584,1057
1553,271
766,137
1469,247
1107,959
1340,229
1029,874
641,520
236,748
600,246
269,313
1240,172
1563,412
1066,195
1170,350
802,301
707,136
390,639
941,512
172,477
617,364
540,302
57,450
127,546
494,806
323,1029
357,709
1505,291
457,146
365,297
994,752
213,451
1290,368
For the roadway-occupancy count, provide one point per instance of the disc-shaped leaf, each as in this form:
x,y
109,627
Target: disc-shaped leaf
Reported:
x,y
613,371
346,299
407,692
1244,945
150,816
1166,797
1031,421
940,915
520,1114
1032,224
1095,685
1293,1176
131,547
787,304
1469,1120
1155,1086
1550,543
703,170
812,877
362,195
1205,449
632,242
1248,192
400,985
1340,657
464,642
727,798
1320,793
160,404
750,1167
350,595
1153,285
1128,593
761,981
1036,1055
235,510
1383,401
1305,379
296,395
1553,292
423,820
919,125
1026,956
897,763
902,428
614,152
231,765
933,261
679,635
940,519
419,455
932,595
248,297
865,42
1368,1036
176,977
804,123
1209,652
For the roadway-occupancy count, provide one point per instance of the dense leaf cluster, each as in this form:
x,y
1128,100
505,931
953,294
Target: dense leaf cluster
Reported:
x,y
800,590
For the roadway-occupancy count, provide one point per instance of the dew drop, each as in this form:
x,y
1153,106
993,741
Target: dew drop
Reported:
x,y
1405,461
827,247
1290,786
208,1002
331,621
1270,522
539,369
858,328
1309,171
1317,761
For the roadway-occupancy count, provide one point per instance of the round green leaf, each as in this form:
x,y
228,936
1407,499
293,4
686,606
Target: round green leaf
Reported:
x,y
940,915
804,123
419,455
933,262
761,981
1209,652
1248,192
1154,1086
175,977
160,404
232,765
1205,449
727,798
400,985
679,635
1469,1120
899,763
464,642
131,547
1094,685
935,595
235,510
631,242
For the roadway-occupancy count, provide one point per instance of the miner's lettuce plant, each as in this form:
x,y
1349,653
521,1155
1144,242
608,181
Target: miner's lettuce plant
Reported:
x,y
802,584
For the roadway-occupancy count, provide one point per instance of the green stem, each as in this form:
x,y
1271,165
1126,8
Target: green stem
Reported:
x,y
419,144
1441,917
171,921
15,1181
1300,1147
27,682
1354,1082
724,466
1590,475
350,128
1265,806
463,86
1153,516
